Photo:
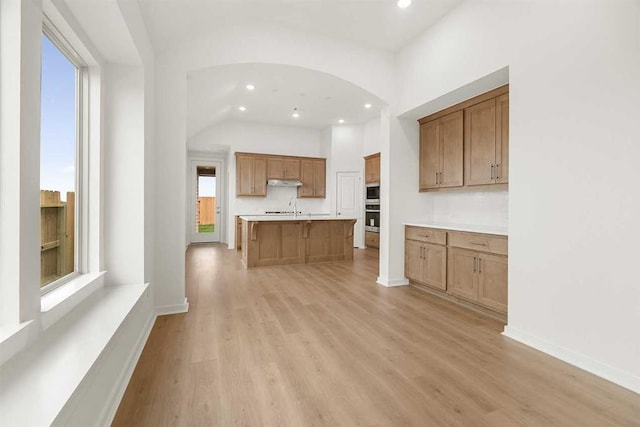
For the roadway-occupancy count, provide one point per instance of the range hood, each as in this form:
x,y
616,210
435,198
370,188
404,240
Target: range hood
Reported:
x,y
284,182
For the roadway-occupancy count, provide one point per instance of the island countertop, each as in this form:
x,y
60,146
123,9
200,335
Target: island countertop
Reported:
x,y
299,217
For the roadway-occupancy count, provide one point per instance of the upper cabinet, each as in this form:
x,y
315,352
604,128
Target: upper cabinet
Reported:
x,y
372,169
253,170
251,175
487,142
441,145
283,167
467,144
313,177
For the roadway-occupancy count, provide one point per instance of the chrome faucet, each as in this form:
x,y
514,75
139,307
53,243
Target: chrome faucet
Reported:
x,y
294,200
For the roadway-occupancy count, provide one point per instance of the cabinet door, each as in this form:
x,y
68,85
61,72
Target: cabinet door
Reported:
x,y
259,176
375,169
452,146
435,265
429,154
291,168
368,171
307,178
275,168
502,138
413,260
244,175
461,273
492,281
319,178
480,143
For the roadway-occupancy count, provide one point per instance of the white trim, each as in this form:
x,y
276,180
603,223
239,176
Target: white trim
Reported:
x,y
173,309
615,375
117,393
57,303
389,283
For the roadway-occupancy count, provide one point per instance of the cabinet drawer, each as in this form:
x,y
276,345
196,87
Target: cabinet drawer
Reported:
x,y
478,242
428,235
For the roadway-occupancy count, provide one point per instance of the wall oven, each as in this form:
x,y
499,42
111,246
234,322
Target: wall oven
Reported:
x,y
372,216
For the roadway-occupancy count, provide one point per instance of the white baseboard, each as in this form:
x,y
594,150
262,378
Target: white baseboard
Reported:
x,y
113,402
389,283
617,376
173,309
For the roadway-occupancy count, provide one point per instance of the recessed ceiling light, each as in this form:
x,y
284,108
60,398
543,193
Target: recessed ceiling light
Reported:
x,y
295,114
403,3
341,121
367,106
250,87
242,108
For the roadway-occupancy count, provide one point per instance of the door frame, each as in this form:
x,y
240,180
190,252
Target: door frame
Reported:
x,y
192,236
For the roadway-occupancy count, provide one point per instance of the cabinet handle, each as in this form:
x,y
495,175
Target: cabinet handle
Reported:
x,y
492,172
436,178
424,235
497,173
479,265
474,264
478,244
440,180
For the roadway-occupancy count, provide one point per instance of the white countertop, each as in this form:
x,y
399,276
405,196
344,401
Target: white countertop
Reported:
x,y
299,217
486,229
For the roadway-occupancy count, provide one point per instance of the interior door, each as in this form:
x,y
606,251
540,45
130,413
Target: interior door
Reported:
x,y
206,201
349,196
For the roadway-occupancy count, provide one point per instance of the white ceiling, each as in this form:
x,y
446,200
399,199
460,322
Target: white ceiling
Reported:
x,y
214,95
374,23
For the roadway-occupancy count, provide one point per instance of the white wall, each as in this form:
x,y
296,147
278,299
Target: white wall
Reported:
x,y
371,137
573,212
124,159
346,156
233,136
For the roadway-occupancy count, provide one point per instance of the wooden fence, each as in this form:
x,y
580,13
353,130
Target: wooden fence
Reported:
x,y
57,235
206,210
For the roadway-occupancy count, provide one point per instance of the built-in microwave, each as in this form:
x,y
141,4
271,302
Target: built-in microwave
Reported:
x,y
372,221
373,193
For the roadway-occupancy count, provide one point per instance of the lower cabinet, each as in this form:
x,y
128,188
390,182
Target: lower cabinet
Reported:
x,y
478,276
372,240
426,263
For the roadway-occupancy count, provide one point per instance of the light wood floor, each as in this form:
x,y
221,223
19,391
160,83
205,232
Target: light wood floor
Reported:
x,y
324,345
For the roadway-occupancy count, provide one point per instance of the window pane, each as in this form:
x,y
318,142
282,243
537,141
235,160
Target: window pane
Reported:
x,y
58,125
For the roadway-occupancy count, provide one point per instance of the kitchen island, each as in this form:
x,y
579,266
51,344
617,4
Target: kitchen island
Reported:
x,y
301,239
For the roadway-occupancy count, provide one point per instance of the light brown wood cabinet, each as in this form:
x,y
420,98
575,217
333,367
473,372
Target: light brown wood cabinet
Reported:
x,y
238,233
441,152
425,263
283,167
313,177
372,240
487,142
268,243
479,275
251,175
372,169
468,266
253,170
467,144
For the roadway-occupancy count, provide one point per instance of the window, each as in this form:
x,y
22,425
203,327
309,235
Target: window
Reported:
x,y
59,160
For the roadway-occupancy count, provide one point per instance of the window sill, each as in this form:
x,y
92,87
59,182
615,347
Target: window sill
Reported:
x,y
57,303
